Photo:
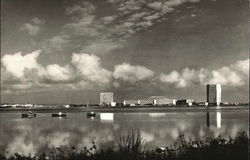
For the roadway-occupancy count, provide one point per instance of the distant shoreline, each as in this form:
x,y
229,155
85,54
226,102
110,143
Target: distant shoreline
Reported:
x,y
127,109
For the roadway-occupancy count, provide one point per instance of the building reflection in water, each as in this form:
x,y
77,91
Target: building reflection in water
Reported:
x,y
218,119
208,120
157,114
107,117
30,136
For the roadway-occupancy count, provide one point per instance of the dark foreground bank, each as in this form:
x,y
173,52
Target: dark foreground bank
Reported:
x,y
130,146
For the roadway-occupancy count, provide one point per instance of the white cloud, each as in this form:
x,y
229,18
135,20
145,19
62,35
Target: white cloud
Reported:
x,y
234,75
132,74
82,16
33,27
89,67
108,19
37,21
17,63
171,77
157,5
91,32
102,46
57,73
58,43
23,72
84,8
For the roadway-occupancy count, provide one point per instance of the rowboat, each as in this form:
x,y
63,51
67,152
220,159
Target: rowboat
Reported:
x,y
28,115
91,114
60,114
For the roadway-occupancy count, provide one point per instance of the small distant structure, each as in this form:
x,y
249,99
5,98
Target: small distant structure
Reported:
x,y
185,102
145,102
106,98
214,94
67,106
200,103
162,100
151,101
131,102
113,104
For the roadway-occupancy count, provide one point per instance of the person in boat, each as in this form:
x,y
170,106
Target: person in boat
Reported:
x,y
30,114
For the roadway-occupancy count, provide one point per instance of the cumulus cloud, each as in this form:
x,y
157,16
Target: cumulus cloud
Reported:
x,y
33,27
234,75
23,72
58,73
89,67
18,64
132,74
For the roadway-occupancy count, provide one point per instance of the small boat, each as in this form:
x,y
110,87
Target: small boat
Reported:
x,y
91,114
28,115
60,114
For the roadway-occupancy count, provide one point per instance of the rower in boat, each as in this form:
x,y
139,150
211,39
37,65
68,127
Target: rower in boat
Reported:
x,y
91,114
60,114
28,115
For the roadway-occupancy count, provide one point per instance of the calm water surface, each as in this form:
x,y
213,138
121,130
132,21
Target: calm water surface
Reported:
x,y
158,129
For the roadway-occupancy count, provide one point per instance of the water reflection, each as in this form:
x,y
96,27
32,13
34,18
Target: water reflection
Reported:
x,y
218,119
208,120
31,136
107,117
157,114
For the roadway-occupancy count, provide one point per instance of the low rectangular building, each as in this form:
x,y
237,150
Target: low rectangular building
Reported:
x,y
147,102
131,102
162,100
165,101
184,102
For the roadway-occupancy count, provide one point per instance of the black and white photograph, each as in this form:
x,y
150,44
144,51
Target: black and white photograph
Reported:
x,y
124,80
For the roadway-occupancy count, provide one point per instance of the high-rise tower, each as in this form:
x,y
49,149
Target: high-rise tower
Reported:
x,y
214,94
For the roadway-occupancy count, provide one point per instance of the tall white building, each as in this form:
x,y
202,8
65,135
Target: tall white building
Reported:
x,y
214,94
106,98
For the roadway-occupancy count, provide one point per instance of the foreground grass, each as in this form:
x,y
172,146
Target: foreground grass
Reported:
x,y
131,146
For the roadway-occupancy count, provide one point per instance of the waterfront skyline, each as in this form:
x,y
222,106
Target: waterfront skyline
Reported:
x,y
72,51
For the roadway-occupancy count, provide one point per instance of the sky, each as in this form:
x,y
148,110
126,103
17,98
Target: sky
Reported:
x,y
64,51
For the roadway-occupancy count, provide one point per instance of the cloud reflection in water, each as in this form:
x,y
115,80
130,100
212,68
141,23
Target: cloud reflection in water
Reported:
x,y
31,136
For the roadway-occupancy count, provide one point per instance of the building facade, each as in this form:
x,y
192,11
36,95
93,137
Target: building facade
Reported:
x,y
214,94
147,102
161,100
106,98
131,102
185,102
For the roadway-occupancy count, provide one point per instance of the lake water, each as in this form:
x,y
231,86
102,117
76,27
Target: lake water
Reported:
x,y
158,129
